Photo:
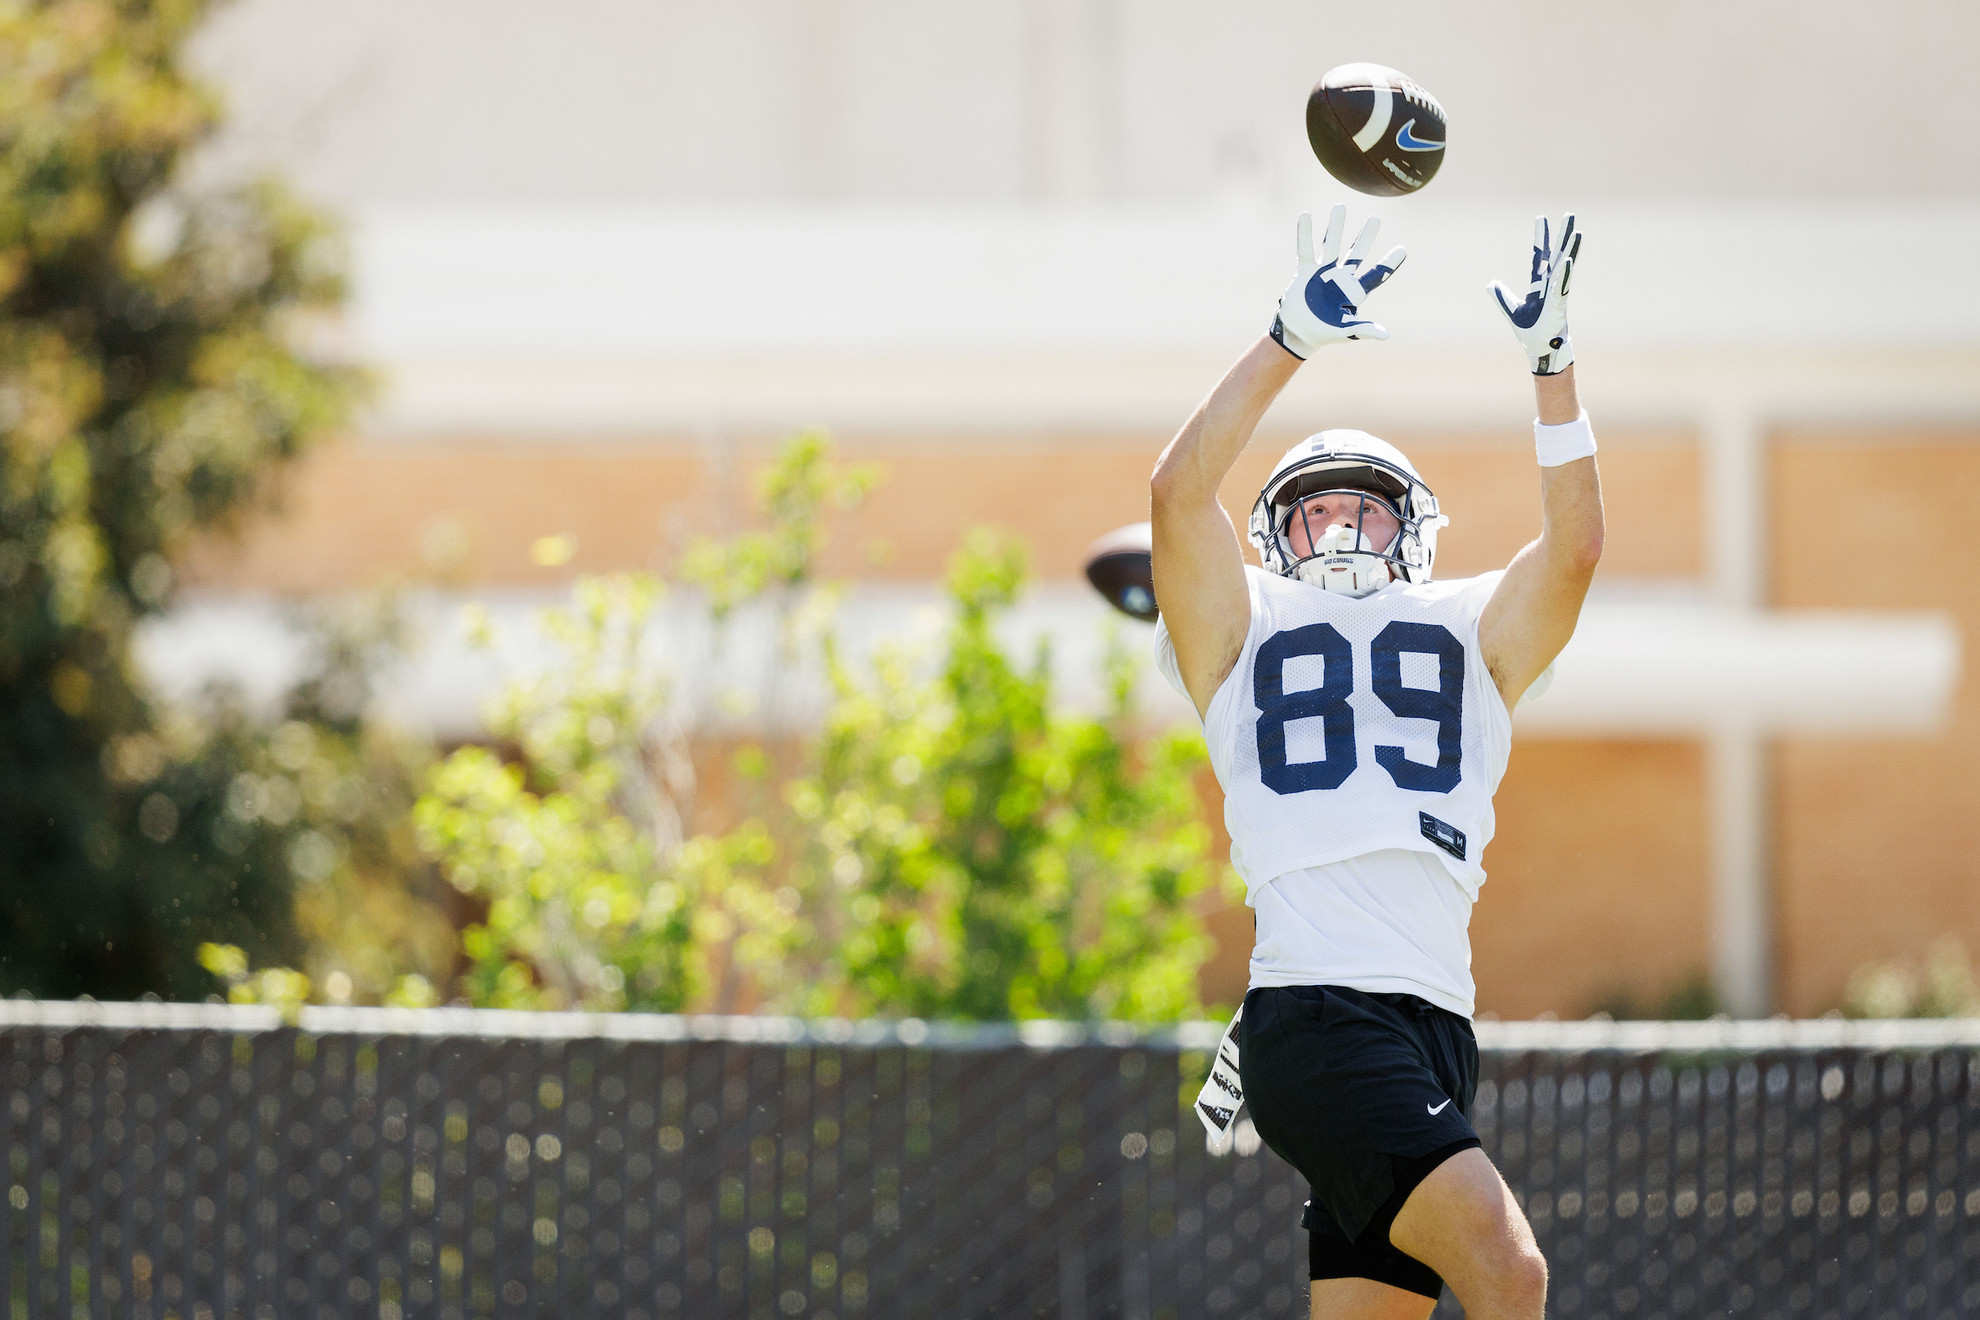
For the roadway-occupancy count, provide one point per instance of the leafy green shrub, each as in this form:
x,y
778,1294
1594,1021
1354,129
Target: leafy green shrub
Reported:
x,y
600,894
595,899
973,853
957,848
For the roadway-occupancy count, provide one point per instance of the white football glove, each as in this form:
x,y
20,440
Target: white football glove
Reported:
x,y
1320,306
1540,322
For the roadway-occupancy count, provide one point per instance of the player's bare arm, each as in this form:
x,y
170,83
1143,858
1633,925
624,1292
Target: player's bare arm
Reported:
x,y
1198,565
1533,611
1199,568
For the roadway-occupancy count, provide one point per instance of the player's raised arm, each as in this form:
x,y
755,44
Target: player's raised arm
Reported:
x,y
1533,611
1199,567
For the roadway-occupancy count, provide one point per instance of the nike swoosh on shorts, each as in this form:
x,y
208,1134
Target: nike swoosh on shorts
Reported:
x,y
1437,1109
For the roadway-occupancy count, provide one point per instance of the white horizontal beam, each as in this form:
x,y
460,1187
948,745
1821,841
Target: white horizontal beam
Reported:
x,y
1657,667
1637,667
554,320
578,285
1689,1038
1371,386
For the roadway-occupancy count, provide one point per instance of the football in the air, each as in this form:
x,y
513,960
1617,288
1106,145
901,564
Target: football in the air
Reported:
x,y
1375,130
1121,568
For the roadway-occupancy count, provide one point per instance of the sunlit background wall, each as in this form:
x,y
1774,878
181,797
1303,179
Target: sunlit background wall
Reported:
x,y
606,253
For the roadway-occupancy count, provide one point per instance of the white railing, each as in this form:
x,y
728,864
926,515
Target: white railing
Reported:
x,y
1565,1037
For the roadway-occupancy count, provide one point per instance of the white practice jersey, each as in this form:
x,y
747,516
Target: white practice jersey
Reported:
x,y
1386,922
1350,726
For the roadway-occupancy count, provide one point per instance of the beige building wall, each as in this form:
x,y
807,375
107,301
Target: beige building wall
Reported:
x,y
903,101
1877,856
465,509
1598,892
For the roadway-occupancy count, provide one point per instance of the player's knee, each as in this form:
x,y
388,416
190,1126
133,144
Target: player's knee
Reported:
x,y
1521,1279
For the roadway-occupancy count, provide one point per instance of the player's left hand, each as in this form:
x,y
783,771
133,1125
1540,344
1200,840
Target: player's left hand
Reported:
x,y
1540,320
1323,303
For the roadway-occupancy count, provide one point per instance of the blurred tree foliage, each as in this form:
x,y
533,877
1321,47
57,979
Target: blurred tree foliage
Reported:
x,y
779,558
1942,987
600,893
597,897
368,907
580,846
956,849
149,386
972,853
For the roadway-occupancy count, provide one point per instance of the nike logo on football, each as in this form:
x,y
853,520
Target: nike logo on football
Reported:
x,y
1408,141
1436,1109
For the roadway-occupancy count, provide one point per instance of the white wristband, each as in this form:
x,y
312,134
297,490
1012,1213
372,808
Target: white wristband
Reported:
x,y
1555,445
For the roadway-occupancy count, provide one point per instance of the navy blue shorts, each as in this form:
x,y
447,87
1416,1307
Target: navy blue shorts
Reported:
x,y
1364,1094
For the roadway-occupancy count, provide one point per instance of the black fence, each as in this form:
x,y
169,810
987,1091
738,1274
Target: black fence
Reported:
x,y
201,1163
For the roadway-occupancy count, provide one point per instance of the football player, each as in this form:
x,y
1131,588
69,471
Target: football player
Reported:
x,y
1358,715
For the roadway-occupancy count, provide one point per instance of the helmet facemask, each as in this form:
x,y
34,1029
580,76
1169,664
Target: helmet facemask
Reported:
x,y
1342,557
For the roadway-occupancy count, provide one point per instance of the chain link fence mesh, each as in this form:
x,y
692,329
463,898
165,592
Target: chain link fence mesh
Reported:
x,y
205,1163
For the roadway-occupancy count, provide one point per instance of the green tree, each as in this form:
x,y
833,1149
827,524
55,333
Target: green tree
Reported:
x,y
292,836
601,892
597,895
149,386
974,853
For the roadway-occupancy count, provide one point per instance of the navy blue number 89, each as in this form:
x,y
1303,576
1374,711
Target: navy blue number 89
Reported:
x,y
1327,703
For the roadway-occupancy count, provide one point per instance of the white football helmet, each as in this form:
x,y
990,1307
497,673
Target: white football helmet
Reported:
x,y
1354,463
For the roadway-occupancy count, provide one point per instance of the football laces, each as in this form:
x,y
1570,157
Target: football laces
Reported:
x,y
1417,96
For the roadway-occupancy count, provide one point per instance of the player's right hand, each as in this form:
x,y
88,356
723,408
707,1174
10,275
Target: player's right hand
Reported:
x,y
1323,303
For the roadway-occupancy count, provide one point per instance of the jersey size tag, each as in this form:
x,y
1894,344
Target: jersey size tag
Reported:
x,y
1448,837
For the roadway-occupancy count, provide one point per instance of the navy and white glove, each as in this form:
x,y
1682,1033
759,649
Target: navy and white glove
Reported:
x,y
1540,321
1322,304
